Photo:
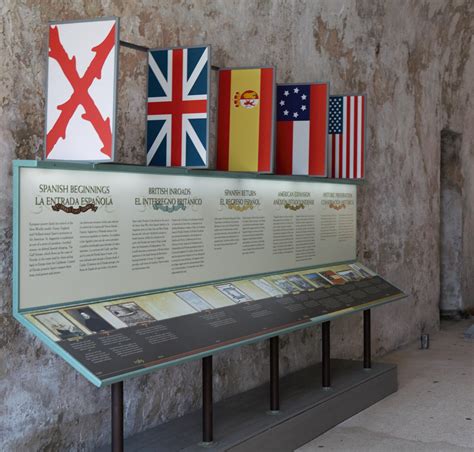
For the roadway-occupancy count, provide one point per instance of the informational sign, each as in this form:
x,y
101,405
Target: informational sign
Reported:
x,y
85,234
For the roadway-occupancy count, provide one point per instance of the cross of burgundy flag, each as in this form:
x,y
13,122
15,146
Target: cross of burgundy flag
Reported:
x,y
81,96
178,88
302,111
347,136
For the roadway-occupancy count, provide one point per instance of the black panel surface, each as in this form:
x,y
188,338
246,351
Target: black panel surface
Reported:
x,y
112,353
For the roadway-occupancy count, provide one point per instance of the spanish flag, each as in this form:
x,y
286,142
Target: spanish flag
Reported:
x,y
245,120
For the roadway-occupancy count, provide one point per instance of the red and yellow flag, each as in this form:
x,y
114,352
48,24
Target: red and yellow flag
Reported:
x,y
245,120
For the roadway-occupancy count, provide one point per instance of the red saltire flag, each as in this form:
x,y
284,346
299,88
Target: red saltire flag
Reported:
x,y
81,90
302,112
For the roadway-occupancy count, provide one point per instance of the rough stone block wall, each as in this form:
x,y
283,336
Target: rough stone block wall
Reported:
x,y
415,61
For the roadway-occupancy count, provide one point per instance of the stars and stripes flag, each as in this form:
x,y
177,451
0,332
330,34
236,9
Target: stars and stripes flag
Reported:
x,y
302,112
347,136
245,120
177,121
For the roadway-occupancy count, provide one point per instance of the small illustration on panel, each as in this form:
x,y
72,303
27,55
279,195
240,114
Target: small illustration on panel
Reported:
x,y
317,280
349,275
302,129
129,313
299,282
364,272
81,90
232,292
177,109
90,319
245,120
284,285
194,300
332,277
347,136
267,287
59,325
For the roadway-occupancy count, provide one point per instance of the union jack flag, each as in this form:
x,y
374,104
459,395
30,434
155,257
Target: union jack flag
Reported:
x,y
178,88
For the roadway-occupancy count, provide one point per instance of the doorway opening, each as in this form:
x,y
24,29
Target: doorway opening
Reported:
x,y
451,225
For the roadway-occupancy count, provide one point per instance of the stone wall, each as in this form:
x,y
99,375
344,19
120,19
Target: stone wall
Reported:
x,y
414,59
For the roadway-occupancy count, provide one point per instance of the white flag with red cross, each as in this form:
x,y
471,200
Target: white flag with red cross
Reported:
x,y
81,96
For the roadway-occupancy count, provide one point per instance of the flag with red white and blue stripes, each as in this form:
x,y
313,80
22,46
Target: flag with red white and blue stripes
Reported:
x,y
347,136
177,110
302,112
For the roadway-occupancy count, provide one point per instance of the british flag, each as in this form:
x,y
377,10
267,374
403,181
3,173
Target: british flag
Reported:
x,y
178,88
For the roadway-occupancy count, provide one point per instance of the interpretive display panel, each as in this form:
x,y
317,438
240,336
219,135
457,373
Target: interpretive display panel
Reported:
x,y
86,233
116,338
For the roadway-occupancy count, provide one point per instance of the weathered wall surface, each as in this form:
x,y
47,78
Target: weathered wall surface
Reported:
x,y
415,61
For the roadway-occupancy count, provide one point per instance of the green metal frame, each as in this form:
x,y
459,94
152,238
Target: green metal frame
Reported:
x,y
55,347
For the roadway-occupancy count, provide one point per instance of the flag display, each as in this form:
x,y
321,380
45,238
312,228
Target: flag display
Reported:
x,y
301,142
81,90
245,120
177,121
347,136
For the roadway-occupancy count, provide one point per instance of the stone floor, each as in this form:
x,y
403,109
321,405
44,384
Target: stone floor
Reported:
x,y
433,409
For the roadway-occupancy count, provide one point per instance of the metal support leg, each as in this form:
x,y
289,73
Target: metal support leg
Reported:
x,y
274,374
326,351
367,352
207,421
117,417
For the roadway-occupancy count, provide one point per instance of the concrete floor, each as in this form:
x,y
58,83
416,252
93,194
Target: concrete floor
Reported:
x,y
433,409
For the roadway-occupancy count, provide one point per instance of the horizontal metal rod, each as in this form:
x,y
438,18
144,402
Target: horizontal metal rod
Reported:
x,y
134,46
140,48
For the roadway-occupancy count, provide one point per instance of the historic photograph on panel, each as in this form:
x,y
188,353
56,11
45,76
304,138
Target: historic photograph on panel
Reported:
x,y
299,282
129,313
90,319
59,325
81,90
177,110
332,277
267,287
236,295
317,280
194,300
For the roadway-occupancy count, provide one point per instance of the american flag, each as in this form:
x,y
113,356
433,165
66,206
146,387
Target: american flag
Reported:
x,y
346,136
178,87
302,129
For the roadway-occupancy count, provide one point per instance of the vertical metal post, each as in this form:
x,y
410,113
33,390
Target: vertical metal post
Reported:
x,y
367,339
274,374
117,416
207,421
326,352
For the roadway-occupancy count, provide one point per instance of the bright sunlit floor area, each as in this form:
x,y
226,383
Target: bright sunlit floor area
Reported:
x,y
432,411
